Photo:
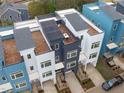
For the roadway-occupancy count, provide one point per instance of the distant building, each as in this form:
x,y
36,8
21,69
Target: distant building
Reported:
x,y
120,6
13,12
105,16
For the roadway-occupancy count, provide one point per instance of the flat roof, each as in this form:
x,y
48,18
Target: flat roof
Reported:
x,y
11,54
76,21
23,39
51,30
63,30
111,12
40,43
92,31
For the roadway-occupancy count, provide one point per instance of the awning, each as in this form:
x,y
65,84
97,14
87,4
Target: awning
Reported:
x,y
5,87
59,66
112,45
33,76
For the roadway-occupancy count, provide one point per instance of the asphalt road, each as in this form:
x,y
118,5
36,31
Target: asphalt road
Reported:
x,y
118,89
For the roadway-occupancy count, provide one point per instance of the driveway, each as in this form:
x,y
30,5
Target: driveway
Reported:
x,y
118,89
73,83
119,62
49,87
94,75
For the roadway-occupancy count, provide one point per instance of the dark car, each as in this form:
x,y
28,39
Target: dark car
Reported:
x,y
112,83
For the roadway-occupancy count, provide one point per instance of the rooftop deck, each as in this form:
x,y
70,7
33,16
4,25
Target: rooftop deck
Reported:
x,y
92,31
71,38
11,54
40,43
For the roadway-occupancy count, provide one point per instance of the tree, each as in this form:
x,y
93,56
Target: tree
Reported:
x,y
36,8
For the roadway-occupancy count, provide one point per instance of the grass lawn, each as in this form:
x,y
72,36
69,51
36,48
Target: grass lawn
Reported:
x,y
104,69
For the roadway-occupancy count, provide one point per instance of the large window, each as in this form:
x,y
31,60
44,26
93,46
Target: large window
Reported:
x,y
71,54
95,45
17,75
20,85
71,64
46,74
46,64
93,55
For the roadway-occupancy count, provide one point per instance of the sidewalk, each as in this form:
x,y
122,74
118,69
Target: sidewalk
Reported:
x,y
73,83
95,76
49,87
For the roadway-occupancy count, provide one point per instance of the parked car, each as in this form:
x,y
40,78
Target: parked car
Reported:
x,y
112,83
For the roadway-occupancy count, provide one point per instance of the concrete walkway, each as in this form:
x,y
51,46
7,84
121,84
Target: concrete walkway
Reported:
x,y
94,75
119,62
73,83
49,87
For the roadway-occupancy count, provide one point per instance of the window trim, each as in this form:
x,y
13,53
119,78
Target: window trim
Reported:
x,y
68,65
15,75
93,46
44,74
90,57
21,83
69,54
57,44
57,59
44,64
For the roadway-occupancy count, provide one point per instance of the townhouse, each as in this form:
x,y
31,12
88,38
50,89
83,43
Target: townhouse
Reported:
x,y
13,75
42,47
91,36
107,18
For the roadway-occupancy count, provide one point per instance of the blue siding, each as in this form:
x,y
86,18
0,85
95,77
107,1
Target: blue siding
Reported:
x,y
105,23
16,68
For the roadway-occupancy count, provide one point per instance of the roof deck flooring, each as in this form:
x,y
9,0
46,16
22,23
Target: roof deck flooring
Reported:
x,y
92,31
71,38
11,54
40,43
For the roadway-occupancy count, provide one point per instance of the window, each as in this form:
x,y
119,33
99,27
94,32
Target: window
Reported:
x,y
93,55
29,56
45,64
71,54
95,45
71,64
46,74
115,27
20,85
57,58
2,78
17,75
81,37
56,46
31,67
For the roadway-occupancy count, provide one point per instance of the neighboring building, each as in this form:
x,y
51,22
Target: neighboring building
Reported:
x,y
10,12
120,6
105,16
91,37
13,75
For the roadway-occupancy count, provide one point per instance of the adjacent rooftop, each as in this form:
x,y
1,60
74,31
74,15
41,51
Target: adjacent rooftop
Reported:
x,y
23,39
40,43
11,54
70,38
111,12
76,21
51,30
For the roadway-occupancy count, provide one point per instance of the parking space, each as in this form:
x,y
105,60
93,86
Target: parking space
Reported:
x,y
94,75
73,83
49,87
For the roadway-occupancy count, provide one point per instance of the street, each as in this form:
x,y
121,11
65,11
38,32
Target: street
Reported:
x,y
118,89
